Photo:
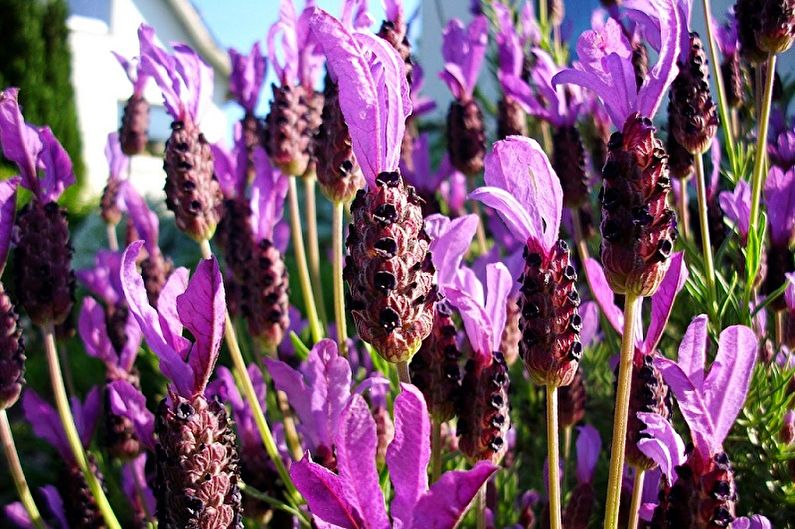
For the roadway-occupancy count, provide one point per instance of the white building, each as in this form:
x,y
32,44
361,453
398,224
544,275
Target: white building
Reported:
x,y
98,27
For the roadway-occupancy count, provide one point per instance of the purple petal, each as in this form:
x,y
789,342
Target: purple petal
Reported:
x,y
662,444
662,301
603,294
55,503
736,205
755,521
86,414
127,401
394,10
522,223
475,318
714,177
443,506
131,346
780,200
8,209
356,444
225,166
156,63
248,74
450,241
168,350
58,173
408,454
268,192
691,403
589,312
46,423
329,377
202,309
665,69
145,220
20,142
589,444
93,331
17,515
789,293
175,285
726,386
693,351
134,483
287,379
498,285
325,494
118,162
197,81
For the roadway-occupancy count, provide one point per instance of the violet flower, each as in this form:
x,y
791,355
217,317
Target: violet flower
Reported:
x,y
247,77
125,400
352,497
736,205
780,202
135,72
134,485
301,62
463,50
17,515
582,497
111,204
135,117
93,330
605,65
450,241
781,149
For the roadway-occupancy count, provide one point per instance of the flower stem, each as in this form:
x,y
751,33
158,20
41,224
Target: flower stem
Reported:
x,y
637,495
251,395
113,241
566,448
339,287
303,268
553,457
313,244
706,244
436,449
15,469
579,239
631,306
723,105
68,422
290,431
403,372
761,143
480,232
684,214
274,502
481,507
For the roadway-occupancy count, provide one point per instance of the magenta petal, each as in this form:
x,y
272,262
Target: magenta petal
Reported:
x,y
248,74
93,331
498,286
168,315
726,386
58,173
133,480
450,241
693,351
662,301
789,293
755,521
512,213
443,506
325,494
127,401
408,454
86,414
145,220
117,160
17,515
268,192
55,503
46,423
665,70
589,312
8,209
736,205
780,200
20,142
589,444
329,376
662,445
603,294
356,443
287,379
476,320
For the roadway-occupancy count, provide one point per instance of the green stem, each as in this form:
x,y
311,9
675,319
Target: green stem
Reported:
x,y
68,422
15,469
313,244
436,449
251,395
303,269
274,502
758,176
723,105
631,306
684,214
637,495
553,457
566,449
403,372
543,17
339,287
481,506
706,244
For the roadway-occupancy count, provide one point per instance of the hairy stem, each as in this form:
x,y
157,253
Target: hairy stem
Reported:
x,y
637,495
68,422
251,395
403,372
758,177
631,306
553,457
113,241
303,269
481,507
436,449
684,214
15,469
313,244
339,286
706,244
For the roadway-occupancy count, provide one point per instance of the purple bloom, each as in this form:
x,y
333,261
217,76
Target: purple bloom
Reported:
x,y
450,241
118,162
661,302
421,105
736,205
93,331
756,521
8,209
268,191
47,424
198,305
301,61
781,149
711,401
526,28
134,484
33,148
352,498
146,223
356,16
17,514
135,72
589,444
374,93
605,65
780,202
248,74
225,389
727,34
662,444
464,49
789,293
103,279
231,166
183,77
127,401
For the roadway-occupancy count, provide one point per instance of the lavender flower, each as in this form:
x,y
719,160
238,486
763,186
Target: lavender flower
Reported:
x,y
12,346
352,497
780,201
731,68
704,493
196,454
581,501
17,515
781,149
192,194
139,495
110,202
245,85
45,279
135,116
464,49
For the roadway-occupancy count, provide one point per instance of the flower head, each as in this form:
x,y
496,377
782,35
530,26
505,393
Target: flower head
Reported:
x,y
463,50
93,331
374,93
605,65
301,61
353,497
225,389
184,79
135,72
198,305
127,401
247,77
